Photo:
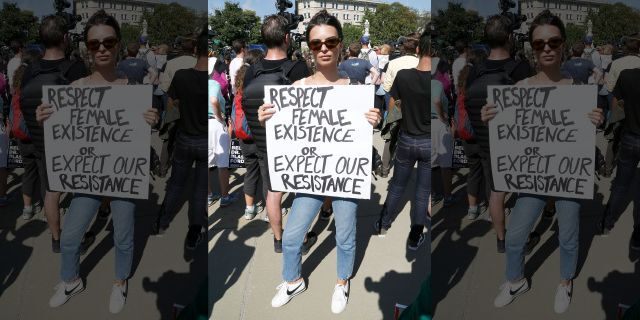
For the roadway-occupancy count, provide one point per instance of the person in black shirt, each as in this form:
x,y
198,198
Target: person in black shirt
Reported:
x,y
52,34
189,90
412,86
277,39
627,90
498,37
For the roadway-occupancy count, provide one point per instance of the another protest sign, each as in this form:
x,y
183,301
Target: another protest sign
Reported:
x,y
319,140
236,159
97,141
15,157
459,156
542,141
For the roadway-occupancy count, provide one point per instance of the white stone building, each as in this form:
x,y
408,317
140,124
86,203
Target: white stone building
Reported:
x,y
570,11
347,11
125,11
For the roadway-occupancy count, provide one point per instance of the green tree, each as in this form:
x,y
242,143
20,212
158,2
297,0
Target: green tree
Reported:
x,y
613,21
351,33
233,23
130,33
391,21
17,24
575,34
456,23
169,21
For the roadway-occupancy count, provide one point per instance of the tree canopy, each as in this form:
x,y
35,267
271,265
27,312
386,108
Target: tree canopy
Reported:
x,y
455,23
613,21
391,21
16,23
169,21
233,23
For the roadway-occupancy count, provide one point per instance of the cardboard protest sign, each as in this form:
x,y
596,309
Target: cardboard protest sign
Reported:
x,y
236,159
542,141
319,140
97,141
459,156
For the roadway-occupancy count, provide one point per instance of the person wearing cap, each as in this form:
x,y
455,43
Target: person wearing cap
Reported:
x,y
146,54
368,54
591,53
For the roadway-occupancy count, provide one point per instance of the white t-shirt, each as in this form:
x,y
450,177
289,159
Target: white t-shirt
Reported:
x,y
12,66
458,65
234,66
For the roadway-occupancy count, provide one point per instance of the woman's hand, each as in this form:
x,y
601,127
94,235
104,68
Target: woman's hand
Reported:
x,y
373,116
265,112
43,112
596,116
151,116
488,112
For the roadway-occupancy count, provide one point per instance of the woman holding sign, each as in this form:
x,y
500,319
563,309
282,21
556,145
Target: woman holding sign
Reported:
x,y
324,34
102,35
547,34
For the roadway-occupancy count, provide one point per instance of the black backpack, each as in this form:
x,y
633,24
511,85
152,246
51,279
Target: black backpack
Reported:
x,y
31,92
253,95
476,93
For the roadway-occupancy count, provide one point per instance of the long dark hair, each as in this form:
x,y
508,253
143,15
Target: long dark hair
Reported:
x,y
102,18
323,17
547,18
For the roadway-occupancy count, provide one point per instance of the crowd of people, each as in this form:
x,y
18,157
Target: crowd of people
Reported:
x,y
459,91
238,86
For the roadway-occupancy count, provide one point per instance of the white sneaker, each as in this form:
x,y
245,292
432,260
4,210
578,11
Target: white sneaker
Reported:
x,y
64,291
283,211
563,298
118,297
286,292
509,291
340,298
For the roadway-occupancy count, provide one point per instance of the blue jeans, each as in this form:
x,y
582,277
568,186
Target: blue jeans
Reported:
x,y
521,221
304,209
628,158
76,222
188,149
409,151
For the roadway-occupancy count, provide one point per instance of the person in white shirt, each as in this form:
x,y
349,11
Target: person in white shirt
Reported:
x,y
407,61
367,53
239,47
461,60
591,53
185,61
14,63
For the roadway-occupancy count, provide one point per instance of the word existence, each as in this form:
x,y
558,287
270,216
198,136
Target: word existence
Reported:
x,y
97,141
542,141
319,141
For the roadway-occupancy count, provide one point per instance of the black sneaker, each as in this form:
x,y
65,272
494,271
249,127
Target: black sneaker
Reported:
x,y
194,236
325,214
500,245
379,230
549,213
158,230
103,213
277,245
414,243
55,245
311,240
635,240
533,240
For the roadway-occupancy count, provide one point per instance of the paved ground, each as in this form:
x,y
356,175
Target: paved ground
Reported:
x,y
163,274
467,270
244,269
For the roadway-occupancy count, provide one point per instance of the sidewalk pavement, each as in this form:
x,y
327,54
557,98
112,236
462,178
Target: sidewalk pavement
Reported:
x,y
468,271
162,273
244,270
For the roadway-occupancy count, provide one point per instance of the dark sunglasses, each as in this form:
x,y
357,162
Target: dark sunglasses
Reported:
x,y
316,44
554,43
108,43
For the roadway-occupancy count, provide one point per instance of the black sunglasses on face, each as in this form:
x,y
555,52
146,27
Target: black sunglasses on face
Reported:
x,y
316,44
108,43
554,43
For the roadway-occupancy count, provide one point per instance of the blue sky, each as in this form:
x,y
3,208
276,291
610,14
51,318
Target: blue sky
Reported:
x,y
45,7
489,7
266,7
